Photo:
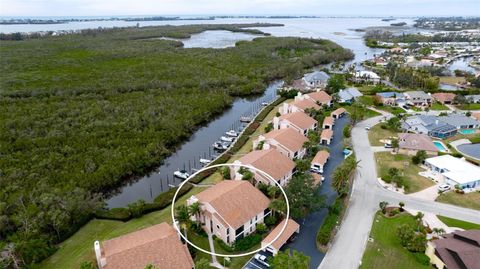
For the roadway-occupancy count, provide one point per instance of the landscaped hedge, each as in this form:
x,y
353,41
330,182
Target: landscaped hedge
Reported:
x,y
160,202
326,230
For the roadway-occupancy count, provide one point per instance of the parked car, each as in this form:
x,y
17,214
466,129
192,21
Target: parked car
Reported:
x,y
367,127
261,259
388,145
444,187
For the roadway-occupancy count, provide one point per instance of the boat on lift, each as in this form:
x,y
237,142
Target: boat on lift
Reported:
x,y
181,174
205,161
232,133
245,119
264,103
219,146
227,139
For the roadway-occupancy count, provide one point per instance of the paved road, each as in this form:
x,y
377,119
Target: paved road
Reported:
x,y
349,244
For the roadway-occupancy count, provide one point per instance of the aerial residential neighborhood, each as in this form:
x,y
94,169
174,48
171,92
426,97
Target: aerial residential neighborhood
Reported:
x,y
240,134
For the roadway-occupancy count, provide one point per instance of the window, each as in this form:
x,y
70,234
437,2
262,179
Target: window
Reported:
x,y
218,227
228,231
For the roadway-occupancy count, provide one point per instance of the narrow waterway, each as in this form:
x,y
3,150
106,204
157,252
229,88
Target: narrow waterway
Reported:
x,y
306,239
187,156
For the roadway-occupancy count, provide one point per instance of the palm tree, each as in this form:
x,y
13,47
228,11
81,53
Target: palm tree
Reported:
x,y
438,231
182,215
277,206
272,191
194,209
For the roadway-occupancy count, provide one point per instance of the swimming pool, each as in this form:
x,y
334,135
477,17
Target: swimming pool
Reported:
x,y
440,146
467,131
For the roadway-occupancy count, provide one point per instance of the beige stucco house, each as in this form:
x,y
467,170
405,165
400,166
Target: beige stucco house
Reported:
x,y
287,141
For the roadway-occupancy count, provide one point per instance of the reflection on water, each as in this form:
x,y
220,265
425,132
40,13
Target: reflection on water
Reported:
x,y
462,64
216,39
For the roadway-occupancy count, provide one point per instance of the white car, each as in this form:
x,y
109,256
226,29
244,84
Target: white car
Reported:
x,y
262,259
367,127
444,187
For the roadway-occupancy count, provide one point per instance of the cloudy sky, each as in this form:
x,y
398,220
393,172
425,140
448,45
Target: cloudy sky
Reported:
x,y
239,7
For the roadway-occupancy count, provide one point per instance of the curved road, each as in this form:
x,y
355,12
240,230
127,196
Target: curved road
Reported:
x,y
347,248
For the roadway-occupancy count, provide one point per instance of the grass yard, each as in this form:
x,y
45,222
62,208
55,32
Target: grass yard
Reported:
x,y
376,133
458,223
413,181
469,107
79,247
470,200
438,106
386,251
395,110
367,112
452,80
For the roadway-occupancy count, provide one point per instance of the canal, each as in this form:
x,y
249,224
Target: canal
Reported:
x,y
188,154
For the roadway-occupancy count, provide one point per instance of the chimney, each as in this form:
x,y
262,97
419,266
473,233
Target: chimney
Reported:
x,y
299,97
284,109
101,262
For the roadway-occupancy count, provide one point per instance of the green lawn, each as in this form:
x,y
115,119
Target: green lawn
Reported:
x,y
469,106
376,133
79,247
367,112
392,109
386,251
452,80
470,200
408,170
458,223
438,106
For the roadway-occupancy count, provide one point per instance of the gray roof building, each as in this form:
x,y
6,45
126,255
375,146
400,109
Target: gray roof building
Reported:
x,y
473,98
460,121
349,94
316,78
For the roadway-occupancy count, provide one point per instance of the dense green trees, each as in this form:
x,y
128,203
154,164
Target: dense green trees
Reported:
x,y
81,113
290,260
302,195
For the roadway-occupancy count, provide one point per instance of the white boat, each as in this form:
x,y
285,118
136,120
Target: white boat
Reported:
x,y
205,161
227,139
231,133
264,104
181,174
245,119
219,146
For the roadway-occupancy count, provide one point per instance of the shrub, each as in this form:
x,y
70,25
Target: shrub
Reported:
x,y
165,199
347,131
271,220
222,244
261,228
136,208
383,126
421,258
121,213
247,242
394,212
225,171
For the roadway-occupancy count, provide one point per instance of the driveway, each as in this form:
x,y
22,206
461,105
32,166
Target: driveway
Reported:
x,y
348,246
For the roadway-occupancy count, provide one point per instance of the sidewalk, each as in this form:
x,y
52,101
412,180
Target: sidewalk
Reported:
x,y
214,262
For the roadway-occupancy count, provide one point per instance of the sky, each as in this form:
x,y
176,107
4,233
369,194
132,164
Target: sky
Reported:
x,y
240,7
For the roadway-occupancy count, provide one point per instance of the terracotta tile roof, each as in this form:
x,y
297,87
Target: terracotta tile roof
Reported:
x,y
299,84
321,96
328,121
444,97
321,157
288,137
326,134
290,229
338,111
459,250
270,161
235,201
416,142
305,104
476,115
299,119
158,245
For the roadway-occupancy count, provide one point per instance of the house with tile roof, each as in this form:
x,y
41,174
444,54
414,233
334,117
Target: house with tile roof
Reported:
x,y
270,161
319,161
410,144
158,245
391,98
298,105
288,142
445,98
320,97
457,250
231,209
418,98
299,121
273,246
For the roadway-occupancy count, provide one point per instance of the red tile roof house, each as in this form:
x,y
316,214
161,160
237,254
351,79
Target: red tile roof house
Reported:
x,y
288,142
319,97
338,113
319,161
410,144
275,245
326,137
299,121
298,106
457,250
328,123
270,161
231,209
444,97
158,245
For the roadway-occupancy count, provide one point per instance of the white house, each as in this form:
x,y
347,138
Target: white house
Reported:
x,y
366,76
455,171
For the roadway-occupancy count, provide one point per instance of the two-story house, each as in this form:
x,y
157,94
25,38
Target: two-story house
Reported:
x,y
231,209
287,141
299,121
